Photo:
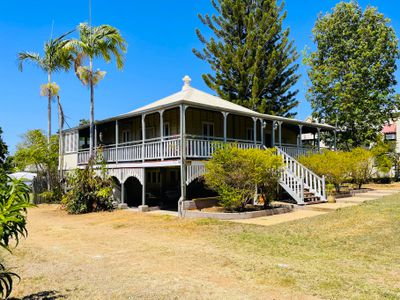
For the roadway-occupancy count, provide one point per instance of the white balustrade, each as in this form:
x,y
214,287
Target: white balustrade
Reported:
x,y
156,149
296,151
171,148
152,150
310,180
200,148
129,153
83,157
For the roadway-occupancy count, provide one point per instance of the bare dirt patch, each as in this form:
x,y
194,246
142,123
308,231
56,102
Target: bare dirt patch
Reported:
x,y
351,253
123,255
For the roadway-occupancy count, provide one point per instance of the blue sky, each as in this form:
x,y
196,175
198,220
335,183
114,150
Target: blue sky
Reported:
x,y
160,34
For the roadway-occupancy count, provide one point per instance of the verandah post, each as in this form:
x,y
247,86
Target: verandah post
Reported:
x,y
262,131
116,140
225,114
280,133
183,158
255,130
143,134
273,133
161,134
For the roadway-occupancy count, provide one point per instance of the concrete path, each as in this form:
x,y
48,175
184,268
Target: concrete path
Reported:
x,y
308,211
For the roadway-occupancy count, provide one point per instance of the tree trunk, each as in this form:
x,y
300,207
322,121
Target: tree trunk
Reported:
x,y
91,144
49,109
48,126
61,139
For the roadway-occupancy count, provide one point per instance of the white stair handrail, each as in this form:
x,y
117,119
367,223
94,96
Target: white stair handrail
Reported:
x,y
312,181
293,185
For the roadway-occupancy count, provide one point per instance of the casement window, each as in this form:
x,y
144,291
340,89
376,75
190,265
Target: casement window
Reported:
x,y
153,177
208,129
390,136
250,134
126,136
166,129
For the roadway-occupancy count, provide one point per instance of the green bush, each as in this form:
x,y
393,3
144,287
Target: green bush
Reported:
x,y
338,167
334,165
14,201
235,174
88,191
361,166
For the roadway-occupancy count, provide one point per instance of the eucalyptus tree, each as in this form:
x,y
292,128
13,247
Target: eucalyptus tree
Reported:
x,y
353,72
57,56
104,42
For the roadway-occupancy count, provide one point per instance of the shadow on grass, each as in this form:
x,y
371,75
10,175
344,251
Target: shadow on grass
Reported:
x,y
45,295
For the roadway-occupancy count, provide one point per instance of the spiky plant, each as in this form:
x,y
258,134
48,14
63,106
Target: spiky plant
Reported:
x,y
14,201
105,42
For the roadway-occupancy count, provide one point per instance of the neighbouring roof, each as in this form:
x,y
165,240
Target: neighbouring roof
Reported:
x,y
390,128
196,98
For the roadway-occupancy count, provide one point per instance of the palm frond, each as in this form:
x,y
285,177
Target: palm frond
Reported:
x,y
60,113
49,89
29,56
103,41
85,76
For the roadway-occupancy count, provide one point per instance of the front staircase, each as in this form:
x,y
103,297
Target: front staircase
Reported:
x,y
303,185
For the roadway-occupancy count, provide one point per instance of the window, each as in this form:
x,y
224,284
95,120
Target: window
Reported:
x,y
208,129
126,136
71,142
250,134
166,131
390,136
153,177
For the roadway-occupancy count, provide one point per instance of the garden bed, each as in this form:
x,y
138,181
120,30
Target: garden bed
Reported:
x,y
218,213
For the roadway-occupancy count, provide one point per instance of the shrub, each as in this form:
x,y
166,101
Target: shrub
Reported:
x,y
235,174
14,201
383,153
361,166
334,165
88,191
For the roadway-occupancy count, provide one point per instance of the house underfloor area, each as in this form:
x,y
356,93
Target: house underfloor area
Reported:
x,y
162,189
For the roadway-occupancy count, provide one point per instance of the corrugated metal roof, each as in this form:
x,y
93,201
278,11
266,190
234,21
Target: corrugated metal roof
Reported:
x,y
391,128
191,96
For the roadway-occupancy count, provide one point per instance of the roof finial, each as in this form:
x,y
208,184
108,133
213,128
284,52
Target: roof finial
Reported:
x,y
187,81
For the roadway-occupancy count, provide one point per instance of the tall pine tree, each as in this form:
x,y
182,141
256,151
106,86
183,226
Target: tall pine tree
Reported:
x,y
251,55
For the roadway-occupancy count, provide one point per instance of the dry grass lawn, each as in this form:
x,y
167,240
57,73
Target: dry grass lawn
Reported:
x,y
351,253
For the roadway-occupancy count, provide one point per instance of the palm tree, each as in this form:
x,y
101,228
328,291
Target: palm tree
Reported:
x,y
104,42
52,90
57,56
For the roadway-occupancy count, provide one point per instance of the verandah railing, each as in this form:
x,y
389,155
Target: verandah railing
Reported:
x,y
296,151
167,148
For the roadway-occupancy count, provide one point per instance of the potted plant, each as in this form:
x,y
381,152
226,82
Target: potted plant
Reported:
x,y
330,190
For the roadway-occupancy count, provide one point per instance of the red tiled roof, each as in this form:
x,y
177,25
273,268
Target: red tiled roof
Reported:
x,y
389,128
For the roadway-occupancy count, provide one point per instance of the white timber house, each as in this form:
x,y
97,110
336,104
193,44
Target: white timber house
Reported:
x,y
156,153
